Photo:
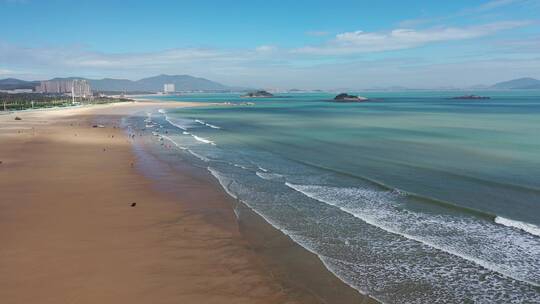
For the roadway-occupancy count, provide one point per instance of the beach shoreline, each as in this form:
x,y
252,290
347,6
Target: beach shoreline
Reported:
x,y
298,270
70,232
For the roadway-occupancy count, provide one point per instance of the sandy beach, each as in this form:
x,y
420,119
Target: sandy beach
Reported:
x,y
69,232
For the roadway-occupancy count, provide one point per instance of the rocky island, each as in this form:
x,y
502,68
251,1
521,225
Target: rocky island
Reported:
x,y
258,94
344,97
471,97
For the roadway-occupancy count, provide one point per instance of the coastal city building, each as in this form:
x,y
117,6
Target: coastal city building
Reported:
x,y
17,91
169,88
72,87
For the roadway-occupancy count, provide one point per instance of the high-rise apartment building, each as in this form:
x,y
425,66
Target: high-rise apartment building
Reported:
x,y
73,87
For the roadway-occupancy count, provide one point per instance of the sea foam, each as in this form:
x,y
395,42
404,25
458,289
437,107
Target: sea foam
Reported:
x,y
527,227
176,124
510,253
203,140
269,176
174,142
207,124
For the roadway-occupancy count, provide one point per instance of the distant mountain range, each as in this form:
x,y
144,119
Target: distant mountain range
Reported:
x,y
526,83
518,84
150,84
155,84
190,83
13,84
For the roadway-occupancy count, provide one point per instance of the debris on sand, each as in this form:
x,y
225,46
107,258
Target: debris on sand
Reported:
x,y
133,204
18,118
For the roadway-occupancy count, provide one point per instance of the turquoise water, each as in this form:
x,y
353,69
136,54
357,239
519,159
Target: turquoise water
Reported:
x,y
410,198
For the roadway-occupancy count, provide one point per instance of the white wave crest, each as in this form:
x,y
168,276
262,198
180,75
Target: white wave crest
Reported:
x,y
223,181
269,176
167,118
213,126
203,140
207,124
197,155
240,166
459,236
174,143
527,227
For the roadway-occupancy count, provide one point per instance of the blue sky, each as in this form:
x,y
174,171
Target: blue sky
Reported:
x,y
275,44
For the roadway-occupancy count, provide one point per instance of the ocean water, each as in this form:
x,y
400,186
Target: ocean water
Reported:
x,y
411,198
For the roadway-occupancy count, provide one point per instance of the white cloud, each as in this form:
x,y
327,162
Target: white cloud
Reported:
x,y
420,21
80,61
317,33
5,72
78,57
496,4
315,66
265,48
362,42
529,45
469,12
251,69
409,72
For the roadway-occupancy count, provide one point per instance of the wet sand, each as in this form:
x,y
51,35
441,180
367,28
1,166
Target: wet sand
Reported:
x,y
299,272
69,233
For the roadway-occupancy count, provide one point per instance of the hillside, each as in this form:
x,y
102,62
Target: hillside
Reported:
x,y
150,84
518,84
155,84
12,84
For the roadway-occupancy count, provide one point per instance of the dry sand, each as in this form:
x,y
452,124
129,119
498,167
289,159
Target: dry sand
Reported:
x,y
68,233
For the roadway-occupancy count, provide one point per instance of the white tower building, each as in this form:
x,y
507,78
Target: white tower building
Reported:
x,y
169,88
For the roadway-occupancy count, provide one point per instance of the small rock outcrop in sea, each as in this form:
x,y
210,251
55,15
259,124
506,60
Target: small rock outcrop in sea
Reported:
x,y
344,97
258,94
471,97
